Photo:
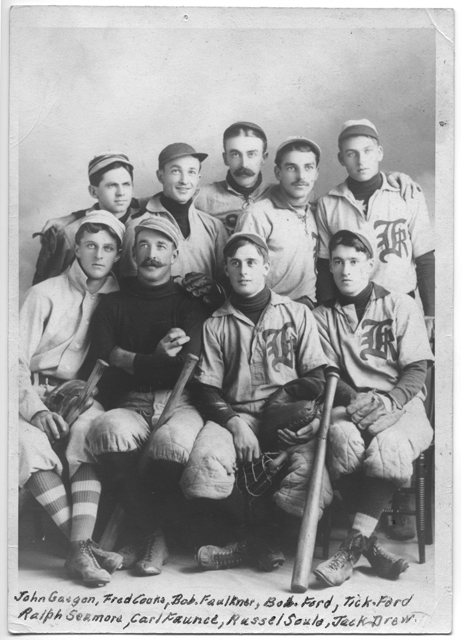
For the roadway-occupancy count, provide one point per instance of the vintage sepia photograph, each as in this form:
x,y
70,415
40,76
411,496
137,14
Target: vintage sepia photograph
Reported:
x,y
230,320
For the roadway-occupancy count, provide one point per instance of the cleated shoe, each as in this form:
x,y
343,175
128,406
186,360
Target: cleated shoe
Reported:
x,y
232,555
82,565
108,560
266,554
339,567
385,564
130,555
153,553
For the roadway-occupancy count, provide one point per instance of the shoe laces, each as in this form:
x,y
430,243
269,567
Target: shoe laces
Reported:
x,y
228,557
337,561
379,552
148,546
86,549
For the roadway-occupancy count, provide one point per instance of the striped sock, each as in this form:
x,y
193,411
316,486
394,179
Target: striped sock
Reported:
x,y
48,489
86,490
365,524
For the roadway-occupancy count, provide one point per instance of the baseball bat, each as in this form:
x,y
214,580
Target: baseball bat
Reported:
x,y
74,411
308,531
188,367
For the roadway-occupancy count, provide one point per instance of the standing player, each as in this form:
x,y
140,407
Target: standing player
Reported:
x,y
201,237
254,344
399,229
286,221
144,332
245,152
378,341
54,323
111,184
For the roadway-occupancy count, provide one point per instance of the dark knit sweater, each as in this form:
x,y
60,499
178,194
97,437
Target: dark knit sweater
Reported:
x,y
364,190
136,319
179,211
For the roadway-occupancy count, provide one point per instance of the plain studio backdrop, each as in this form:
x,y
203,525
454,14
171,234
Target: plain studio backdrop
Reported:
x,y
86,90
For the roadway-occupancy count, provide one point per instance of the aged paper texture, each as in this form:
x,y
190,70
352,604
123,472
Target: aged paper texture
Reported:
x,y
84,80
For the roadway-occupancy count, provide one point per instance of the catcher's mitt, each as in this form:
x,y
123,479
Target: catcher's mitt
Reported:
x,y
293,406
254,479
64,398
205,288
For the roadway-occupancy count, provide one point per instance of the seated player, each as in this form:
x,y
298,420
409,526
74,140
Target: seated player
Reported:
x,y
54,341
245,152
398,228
286,220
111,184
144,332
252,345
378,340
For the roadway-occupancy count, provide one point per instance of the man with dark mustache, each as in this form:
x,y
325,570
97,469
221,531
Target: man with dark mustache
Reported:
x,y
286,221
144,332
245,152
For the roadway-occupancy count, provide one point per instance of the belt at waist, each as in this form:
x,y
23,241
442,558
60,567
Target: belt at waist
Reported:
x,y
43,378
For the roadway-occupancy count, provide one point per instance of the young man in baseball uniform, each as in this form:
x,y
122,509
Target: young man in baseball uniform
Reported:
x,y
252,345
286,221
399,229
202,237
245,152
54,322
378,340
144,332
111,184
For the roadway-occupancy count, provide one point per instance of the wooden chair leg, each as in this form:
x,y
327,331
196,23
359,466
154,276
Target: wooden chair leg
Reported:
x,y
112,530
326,532
421,506
429,495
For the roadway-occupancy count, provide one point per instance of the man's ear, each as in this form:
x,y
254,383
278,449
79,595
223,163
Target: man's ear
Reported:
x,y
381,153
267,266
119,255
330,265
133,250
340,158
159,174
92,191
76,250
226,271
277,172
224,157
174,256
371,266
265,156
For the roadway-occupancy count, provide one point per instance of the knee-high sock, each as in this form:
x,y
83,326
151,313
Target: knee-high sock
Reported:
x,y
86,491
48,489
375,494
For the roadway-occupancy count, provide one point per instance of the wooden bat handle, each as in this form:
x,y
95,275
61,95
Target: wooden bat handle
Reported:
x,y
186,372
308,531
90,385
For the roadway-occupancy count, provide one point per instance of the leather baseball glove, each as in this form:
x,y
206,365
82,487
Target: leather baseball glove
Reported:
x,y
293,407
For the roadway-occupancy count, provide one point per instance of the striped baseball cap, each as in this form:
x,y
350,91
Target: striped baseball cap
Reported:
x,y
99,216
105,159
163,222
361,127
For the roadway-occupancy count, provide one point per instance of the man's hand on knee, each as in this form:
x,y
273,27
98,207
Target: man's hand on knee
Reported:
x,y
373,411
52,424
245,441
172,343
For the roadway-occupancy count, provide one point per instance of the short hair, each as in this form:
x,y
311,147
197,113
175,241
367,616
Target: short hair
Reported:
x,y
296,145
244,130
357,135
348,239
97,176
229,252
95,227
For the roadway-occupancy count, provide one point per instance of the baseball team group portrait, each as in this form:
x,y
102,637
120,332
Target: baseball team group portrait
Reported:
x,y
226,326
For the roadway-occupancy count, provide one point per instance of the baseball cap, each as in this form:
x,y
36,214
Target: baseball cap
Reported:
x,y
163,222
105,159
346,233
243,235
292,139
358,128
242,123
104,217
178,150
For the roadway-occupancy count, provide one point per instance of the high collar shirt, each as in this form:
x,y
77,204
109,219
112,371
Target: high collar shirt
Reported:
x,y
292,237
201,252
372,353
53,328
219,199
399,231
249,362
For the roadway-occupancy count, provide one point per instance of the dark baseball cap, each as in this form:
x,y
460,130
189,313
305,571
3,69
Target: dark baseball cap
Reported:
x,y
347,234
178,150
361,127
